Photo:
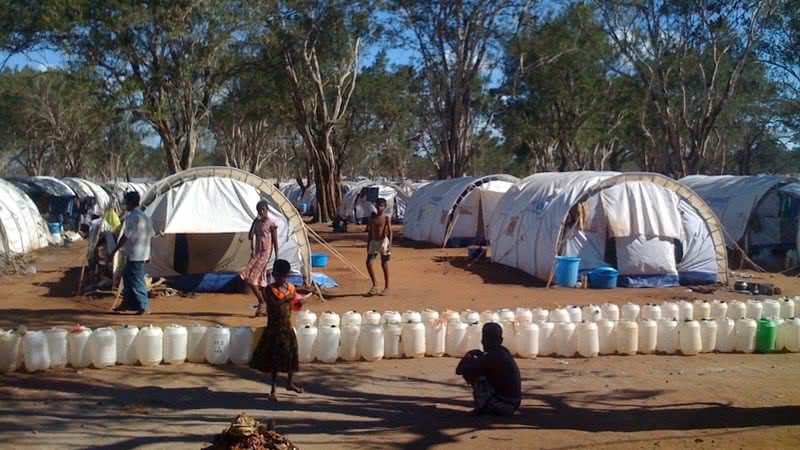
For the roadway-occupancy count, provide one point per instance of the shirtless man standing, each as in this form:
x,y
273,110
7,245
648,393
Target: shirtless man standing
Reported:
x,y
379,240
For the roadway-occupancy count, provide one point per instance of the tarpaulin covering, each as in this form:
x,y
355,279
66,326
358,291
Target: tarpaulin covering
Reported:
x,y
454,208
203,217
22,228
551,214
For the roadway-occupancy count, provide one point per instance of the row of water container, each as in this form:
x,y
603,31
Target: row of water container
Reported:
x,y
688,328
590,330
149,346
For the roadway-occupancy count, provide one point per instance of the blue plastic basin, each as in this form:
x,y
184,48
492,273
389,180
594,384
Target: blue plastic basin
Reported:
x,y
567,270
319,260
475,252
603,278
54,227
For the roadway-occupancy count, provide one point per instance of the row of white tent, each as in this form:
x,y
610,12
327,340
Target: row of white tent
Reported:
x,y
358,198
656,231
27,203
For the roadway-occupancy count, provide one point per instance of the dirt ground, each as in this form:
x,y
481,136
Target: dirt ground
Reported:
x,y
707,401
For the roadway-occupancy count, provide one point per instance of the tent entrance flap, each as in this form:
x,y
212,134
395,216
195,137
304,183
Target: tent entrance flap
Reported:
x,y
189,254
641,209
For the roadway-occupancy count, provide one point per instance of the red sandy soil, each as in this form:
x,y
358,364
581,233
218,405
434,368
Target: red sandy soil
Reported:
x,y
708,401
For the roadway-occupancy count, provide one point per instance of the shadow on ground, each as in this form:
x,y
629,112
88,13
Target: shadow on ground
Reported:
x,y
491,272
430,412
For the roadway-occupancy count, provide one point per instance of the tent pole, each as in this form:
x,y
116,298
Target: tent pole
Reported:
x,y
336,253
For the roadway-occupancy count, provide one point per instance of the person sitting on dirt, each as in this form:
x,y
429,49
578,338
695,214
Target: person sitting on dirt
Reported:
x,y
493,374
276,351
379,240
100,270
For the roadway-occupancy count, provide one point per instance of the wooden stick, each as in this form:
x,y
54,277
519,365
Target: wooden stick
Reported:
x,y
319,291
550,278
92,245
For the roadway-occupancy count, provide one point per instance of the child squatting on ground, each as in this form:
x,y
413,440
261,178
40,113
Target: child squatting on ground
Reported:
x,y
277,349
379,241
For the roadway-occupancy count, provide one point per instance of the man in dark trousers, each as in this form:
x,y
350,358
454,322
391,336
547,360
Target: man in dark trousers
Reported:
x,y
493,374
135,245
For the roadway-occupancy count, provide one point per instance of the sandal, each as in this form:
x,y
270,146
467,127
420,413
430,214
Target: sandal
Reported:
x,y
260,312
385,292
373,291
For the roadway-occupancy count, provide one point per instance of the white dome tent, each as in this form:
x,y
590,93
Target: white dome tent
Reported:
x,y
653,229
117,189
55,200
759,212
202,217
297,197
454,212
86,189
22,228
357,203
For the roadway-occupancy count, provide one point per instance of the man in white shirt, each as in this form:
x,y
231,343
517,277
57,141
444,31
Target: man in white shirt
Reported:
x,y
135,245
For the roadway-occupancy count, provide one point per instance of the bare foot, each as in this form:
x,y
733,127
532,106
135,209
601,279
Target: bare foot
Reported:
x,y
273,397
294,388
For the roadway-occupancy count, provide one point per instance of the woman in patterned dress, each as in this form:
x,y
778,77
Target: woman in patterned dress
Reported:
x,y
263,239
276,351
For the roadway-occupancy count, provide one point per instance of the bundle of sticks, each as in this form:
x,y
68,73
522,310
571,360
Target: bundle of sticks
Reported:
x,y
15,265
159,288
156,288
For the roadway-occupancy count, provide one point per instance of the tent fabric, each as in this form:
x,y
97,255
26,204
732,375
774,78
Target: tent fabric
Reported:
x,y
116,190
53,186
355,207
22,228
88,189
637,209
570,213
42,187
734,199
54,199
646,261
207,212
297,197
452,208
694,267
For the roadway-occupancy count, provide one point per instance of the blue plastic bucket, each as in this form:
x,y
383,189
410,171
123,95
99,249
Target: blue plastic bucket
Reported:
x,y
319,260
567,270
54,227
303,208
475,252
603,278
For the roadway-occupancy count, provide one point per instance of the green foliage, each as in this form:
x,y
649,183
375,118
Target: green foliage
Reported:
x,y
561,104
53,123
484,86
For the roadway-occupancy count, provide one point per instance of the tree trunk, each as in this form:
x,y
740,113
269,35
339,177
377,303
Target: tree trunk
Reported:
x,y
326,176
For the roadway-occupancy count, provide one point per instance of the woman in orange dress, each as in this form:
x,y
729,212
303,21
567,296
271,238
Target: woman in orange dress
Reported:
x,y
263,239
276,351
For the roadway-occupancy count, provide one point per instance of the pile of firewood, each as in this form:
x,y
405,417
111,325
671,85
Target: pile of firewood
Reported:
x,y
159,288
246,433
